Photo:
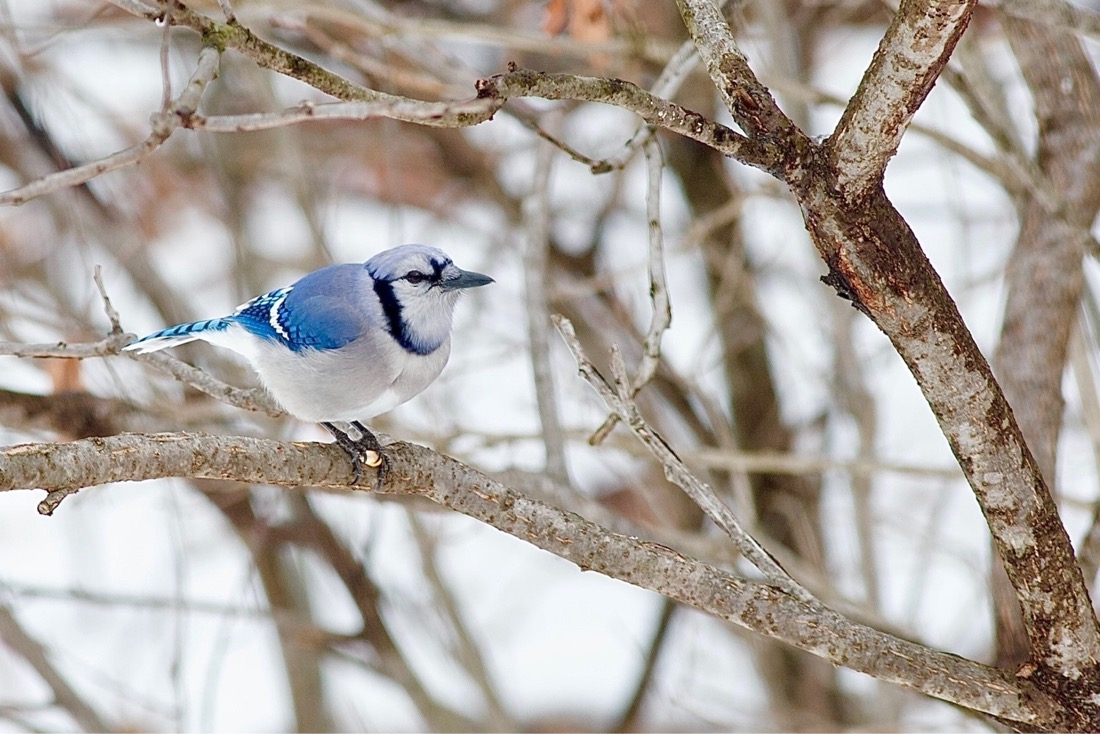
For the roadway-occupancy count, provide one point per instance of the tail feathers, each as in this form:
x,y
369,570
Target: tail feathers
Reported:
x,y
176,335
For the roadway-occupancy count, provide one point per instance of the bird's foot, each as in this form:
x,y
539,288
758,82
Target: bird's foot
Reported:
x,y
364,450
376,460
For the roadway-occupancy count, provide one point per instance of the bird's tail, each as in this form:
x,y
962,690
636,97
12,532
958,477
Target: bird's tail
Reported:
x,y
176,335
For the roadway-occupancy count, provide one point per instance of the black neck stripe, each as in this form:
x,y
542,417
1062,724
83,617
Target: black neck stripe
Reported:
x,y
397,327
392,308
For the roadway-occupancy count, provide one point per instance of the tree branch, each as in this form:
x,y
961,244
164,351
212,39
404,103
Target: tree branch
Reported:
x,y
38,657
876,262
906,65
1045,274
495,91
164,124
751,104
65,468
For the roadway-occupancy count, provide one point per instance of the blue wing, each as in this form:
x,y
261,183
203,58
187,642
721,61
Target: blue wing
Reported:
x,y
314,313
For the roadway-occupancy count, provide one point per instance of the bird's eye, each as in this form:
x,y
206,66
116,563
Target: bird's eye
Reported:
x,y
415,276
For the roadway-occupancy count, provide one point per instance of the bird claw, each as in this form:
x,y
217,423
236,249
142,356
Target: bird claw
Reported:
x,y
364,450
373,458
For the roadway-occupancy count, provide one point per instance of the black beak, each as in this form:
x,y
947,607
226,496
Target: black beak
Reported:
x,y
465,279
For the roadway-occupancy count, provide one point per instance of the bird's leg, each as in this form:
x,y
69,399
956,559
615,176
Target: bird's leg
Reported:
x,y
372,449
366,450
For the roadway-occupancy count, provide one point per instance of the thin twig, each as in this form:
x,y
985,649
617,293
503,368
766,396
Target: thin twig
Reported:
x,y
227,11
164,123
254,399
661,312
536,215
672,76
630,720
661,316
617,400
112,314
769,462
432,114
82,350
165,48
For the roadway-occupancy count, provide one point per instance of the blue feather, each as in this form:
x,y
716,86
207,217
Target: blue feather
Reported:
x,y
314,313
175,335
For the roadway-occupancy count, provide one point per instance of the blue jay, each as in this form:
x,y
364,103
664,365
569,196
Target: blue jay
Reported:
x,y
346,342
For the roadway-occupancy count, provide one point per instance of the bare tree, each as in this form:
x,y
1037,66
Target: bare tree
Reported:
x,y
740,458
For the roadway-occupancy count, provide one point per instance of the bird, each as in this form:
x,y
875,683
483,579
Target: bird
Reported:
x,y
345,343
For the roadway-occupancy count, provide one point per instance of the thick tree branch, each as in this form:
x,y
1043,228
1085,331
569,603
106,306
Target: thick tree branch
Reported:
x,y
876,262
65,468
1045,275
71,414
906,65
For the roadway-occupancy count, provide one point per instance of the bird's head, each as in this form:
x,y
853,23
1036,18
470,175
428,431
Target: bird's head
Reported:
x,y
418,287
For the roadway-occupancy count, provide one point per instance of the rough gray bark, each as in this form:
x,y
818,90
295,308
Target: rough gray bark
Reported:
x,y
1044,275
62,469
908,62
875,261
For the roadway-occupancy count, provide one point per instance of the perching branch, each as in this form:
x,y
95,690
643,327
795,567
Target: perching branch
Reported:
x,y
62,469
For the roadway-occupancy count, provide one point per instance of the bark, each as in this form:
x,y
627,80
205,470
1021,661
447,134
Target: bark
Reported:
x,y
908,62
1044,275
876,262
61,469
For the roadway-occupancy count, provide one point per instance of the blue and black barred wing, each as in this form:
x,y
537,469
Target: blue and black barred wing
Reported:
x,y
299,318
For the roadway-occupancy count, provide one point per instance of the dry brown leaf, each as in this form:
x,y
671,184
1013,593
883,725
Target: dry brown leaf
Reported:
x,y
64,373
585,20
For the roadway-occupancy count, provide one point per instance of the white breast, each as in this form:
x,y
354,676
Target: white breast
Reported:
x,y
356,382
